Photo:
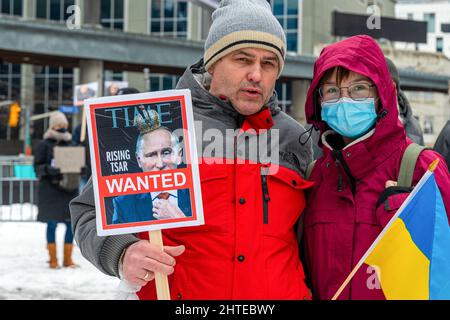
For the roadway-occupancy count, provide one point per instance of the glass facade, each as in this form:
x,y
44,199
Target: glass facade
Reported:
x,y
284,92
10,82
112,14
55,10
287,13
162,82
439,44
430,18
11,7
169,18
109,75
53,87
10,75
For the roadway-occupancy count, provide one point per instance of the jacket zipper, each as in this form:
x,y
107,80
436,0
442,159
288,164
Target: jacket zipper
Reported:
x,y
266,197
342,165
339,184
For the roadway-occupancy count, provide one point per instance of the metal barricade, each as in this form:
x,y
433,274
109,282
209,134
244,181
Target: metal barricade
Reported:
x,y
18,184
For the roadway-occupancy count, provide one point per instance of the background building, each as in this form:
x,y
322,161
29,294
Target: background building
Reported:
x,y
149,43
317,22
432,109
437,15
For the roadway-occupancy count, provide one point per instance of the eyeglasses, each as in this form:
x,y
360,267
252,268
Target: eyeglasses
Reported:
x,y
357,92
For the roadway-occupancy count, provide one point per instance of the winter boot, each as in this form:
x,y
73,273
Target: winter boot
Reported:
x,y
68,263
53,262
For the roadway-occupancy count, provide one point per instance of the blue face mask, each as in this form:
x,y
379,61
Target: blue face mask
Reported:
x,y
350,118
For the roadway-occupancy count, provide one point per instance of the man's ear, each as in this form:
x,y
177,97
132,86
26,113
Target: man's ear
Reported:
x,y
180,156
279,67
138,160
213,67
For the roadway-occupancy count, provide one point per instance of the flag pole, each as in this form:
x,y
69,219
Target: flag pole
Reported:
x,y
424,178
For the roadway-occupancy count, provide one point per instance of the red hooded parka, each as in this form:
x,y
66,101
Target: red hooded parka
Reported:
x,y
342,218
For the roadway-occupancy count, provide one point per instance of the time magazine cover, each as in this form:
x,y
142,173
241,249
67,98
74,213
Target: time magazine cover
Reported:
x,y
144,162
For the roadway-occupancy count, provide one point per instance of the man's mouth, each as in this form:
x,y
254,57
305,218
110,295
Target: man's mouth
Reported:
x,y
252,92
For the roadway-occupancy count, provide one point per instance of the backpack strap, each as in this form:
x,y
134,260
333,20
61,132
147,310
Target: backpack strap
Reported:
x,y
309,169
408,164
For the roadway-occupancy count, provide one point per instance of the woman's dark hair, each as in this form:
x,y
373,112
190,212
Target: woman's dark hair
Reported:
x,y
130,90
341,74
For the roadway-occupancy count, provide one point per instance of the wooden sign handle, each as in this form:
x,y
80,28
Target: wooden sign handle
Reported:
x,y
162,284
83,125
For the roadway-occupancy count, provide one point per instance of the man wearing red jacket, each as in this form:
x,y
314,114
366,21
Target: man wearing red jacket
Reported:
x,y
247,247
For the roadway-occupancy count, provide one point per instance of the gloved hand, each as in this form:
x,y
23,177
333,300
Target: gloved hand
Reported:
x,y
53,172
85,171
54,175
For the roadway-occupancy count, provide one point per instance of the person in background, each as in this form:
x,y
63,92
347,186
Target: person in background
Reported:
x,y
127,90
86,170
412,126
83,93
53,200
442,144
112,89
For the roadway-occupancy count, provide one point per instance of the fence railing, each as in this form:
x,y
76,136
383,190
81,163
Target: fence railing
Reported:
x,y
18,186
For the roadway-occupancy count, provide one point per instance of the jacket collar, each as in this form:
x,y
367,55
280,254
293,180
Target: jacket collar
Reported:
x,y
58,136
360,155
329,133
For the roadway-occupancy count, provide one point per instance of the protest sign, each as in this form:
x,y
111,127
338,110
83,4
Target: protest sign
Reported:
x,y
112,87
144,162
83,92
69,159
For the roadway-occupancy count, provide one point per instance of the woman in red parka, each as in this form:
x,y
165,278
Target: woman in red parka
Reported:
x,y
352,100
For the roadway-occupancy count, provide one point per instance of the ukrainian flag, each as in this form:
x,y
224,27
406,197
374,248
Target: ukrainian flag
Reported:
x,y
412,254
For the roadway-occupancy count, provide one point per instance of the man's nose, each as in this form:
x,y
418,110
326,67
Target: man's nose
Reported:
x,y
255,73
160,163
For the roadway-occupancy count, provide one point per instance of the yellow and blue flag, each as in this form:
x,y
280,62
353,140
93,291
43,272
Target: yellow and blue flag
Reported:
x,y
412,254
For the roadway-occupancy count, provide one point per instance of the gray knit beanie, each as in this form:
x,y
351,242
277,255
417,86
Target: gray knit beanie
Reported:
x,y
57,118
241,24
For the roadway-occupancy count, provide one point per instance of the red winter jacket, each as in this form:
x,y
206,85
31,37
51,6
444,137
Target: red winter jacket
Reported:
x,y
247,248
341,223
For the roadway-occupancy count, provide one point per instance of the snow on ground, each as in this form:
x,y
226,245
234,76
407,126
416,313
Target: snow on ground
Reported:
x,y
18,212
24,272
